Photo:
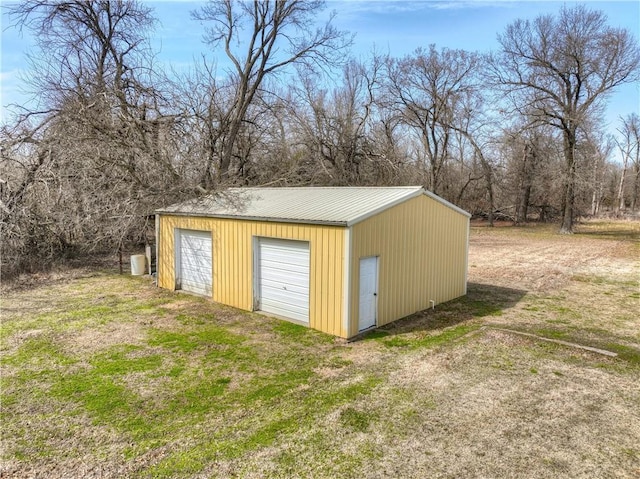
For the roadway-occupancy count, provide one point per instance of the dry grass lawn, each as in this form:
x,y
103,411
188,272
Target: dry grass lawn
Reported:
x,y
106,376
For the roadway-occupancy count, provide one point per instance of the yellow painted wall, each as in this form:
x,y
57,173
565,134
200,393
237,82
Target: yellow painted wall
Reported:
x,y
233,263
422,249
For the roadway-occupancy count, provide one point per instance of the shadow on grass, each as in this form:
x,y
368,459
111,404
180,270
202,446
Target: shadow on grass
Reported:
x,y
621,230
614,234
482,300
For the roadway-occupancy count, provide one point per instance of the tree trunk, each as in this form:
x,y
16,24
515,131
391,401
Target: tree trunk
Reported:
x,y
595,202
567,212
529,161
570,180
620,196
596,194
488,175
525,202
636,190
225,160
491,200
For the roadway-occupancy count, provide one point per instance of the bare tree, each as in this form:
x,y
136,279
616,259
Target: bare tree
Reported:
x,y
275,35
530,153
423,89
95,145
597,148
86,50
560,69
470,121
629,146
334,125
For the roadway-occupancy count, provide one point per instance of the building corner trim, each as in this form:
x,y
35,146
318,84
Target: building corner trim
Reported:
x,y
346,287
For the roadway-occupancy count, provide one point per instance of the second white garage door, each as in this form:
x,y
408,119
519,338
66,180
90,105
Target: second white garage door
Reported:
x,y
194,262
283,278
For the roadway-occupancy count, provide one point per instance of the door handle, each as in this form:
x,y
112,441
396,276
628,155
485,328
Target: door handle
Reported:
x,y
375,294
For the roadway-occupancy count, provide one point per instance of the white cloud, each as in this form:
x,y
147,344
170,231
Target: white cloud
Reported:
x,y
408,6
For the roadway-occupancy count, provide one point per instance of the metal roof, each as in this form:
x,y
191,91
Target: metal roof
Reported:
x,y
342,206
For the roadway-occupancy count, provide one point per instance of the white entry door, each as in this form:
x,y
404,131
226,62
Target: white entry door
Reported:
x,y
368,292
283,278
194,270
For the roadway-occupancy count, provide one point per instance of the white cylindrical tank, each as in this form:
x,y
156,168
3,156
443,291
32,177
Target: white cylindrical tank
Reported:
x,y
138,262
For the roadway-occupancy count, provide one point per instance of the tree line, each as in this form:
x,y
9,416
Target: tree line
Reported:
x,y
513,134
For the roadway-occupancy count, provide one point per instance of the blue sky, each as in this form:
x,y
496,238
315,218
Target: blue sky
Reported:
x,y
396,27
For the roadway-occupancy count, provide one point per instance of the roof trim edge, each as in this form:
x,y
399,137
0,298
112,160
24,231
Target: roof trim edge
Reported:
x,y
254,218
446,203
386,206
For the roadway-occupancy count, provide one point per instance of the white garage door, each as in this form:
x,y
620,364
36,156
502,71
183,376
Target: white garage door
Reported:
x,y
283,278
193,261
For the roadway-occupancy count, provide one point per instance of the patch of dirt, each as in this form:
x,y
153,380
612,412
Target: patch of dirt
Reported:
x,y
544,263
178,305
574,282
91,340
63,271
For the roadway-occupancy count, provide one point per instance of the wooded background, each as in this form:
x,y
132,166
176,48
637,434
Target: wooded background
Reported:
x,y
515,135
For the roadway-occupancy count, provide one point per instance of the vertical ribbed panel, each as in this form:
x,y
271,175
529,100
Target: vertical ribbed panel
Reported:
x,y
233,262
422,249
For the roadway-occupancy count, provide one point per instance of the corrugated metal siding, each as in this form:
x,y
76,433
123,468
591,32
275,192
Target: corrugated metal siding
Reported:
x,y
233,262
422,249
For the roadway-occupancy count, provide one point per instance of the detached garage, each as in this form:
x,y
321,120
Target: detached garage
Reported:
x,y
341,260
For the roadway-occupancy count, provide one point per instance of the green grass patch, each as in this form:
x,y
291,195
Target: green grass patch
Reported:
x,y
398,342
197,395
597,338
300,334
633,453
561,312
429,340
195,371
588,279
263,427
104,398
277,385
620,231
447,336
186,342
558,321
337,362
376,334
37,351
552,333
120,360
627,353
604,281
290,330
191,319
480,308
356,420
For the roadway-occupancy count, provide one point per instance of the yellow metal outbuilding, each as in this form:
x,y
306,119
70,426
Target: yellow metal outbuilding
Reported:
x,y
338,259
